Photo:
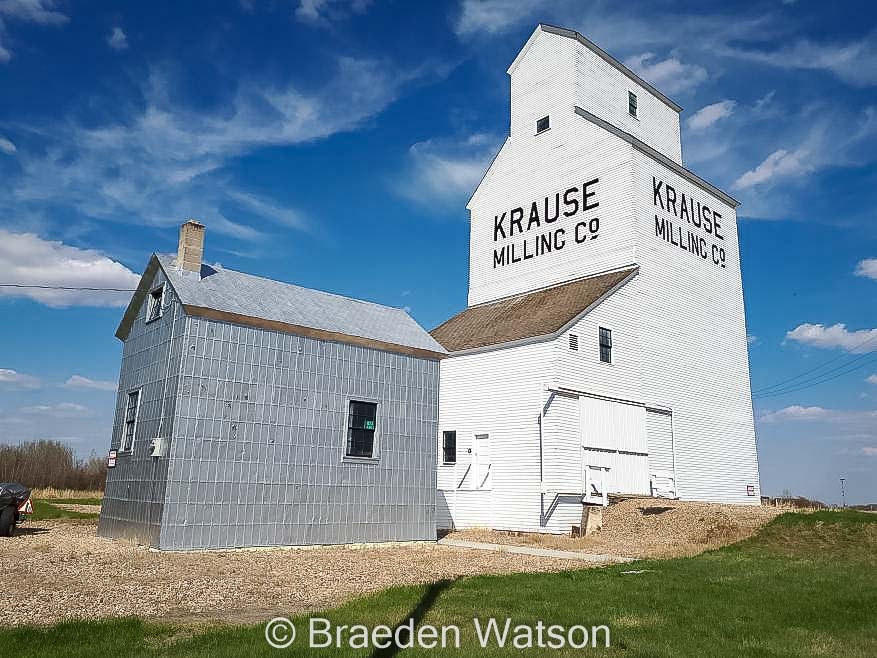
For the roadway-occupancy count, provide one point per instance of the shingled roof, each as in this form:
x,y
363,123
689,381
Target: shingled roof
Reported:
x,y
543,313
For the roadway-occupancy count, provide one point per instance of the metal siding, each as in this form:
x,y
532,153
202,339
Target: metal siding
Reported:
x,y
257,453
135,489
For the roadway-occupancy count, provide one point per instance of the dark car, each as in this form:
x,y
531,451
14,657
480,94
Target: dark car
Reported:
x,y
15,505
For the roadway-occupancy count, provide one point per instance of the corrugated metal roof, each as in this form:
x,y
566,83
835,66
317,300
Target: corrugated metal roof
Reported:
x,y
540,313
241,294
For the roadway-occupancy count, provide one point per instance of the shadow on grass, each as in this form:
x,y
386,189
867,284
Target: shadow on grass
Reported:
x,y
426,602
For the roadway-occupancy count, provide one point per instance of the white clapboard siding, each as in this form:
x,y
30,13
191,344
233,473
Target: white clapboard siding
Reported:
x,y
678,324
527,170
498,393
696,354
659,432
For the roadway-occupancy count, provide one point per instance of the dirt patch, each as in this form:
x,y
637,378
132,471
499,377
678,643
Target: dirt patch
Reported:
x,y
56,570
645,527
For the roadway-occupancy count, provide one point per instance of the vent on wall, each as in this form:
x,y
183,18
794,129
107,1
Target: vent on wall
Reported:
x,y
573,342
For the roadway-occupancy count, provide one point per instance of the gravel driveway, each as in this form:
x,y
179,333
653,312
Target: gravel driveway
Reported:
x,y
56,570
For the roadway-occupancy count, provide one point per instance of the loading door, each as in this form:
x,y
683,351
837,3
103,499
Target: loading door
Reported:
x,y
662,468
614,440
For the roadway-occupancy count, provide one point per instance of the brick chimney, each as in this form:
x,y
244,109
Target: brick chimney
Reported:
x,y
191,248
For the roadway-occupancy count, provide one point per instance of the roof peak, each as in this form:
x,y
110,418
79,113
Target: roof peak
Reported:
x,y
590,45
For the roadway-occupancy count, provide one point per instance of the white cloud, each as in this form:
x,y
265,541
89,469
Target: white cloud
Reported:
x,y
669,75
836,336
78,381
270,210
796,412
117,39
41,12
871,379
707,116
853,424
779,164
751,340
12,379
493,16
162,163
444,170
867,267
854,62
321,12
60,410
7,146
28,259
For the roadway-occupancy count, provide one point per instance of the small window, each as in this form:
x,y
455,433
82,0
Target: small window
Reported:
x,y
361,419
449,447
574,342
631,103
130,429
605,345
542,125
153,311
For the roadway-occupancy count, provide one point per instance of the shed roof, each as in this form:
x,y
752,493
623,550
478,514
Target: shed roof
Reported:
x,y
543,313
227,295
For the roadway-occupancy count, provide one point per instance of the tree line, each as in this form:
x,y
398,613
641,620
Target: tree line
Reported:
x,y
50,464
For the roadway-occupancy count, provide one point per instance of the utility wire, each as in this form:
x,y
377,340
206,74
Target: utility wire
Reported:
x,y
779,384
25,285
821,379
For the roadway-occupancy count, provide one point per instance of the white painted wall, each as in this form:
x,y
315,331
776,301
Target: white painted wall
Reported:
x,y
678,326
496,393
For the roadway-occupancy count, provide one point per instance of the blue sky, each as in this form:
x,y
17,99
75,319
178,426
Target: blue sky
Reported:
x,y
334,144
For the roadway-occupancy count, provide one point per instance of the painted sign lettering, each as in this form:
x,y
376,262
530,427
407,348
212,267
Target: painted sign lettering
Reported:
x,y
694,226
530,231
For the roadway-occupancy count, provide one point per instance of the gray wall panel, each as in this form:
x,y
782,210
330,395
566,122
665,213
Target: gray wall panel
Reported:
x,y
135,488
257,452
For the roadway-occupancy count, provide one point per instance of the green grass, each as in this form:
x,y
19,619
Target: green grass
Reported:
x,y
806,585
44,509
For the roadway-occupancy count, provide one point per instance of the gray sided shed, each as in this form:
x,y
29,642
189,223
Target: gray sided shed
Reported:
x,y
249,382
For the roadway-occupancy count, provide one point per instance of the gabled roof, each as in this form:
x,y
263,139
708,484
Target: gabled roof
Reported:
x,y
597,50
541,314
230,296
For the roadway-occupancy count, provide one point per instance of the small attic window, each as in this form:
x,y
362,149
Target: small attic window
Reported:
x,y
631,103
153,311
573,342
542,125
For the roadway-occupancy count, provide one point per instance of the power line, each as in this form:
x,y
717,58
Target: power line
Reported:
x,y
779,384
820,379
41,287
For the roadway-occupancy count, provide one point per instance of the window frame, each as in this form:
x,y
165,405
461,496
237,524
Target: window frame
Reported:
x,y
125,422
375,452
632,102
155,302
607,346
547,120
445,460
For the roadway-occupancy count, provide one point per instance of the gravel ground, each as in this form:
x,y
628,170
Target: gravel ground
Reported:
x,y
649,527
57,570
